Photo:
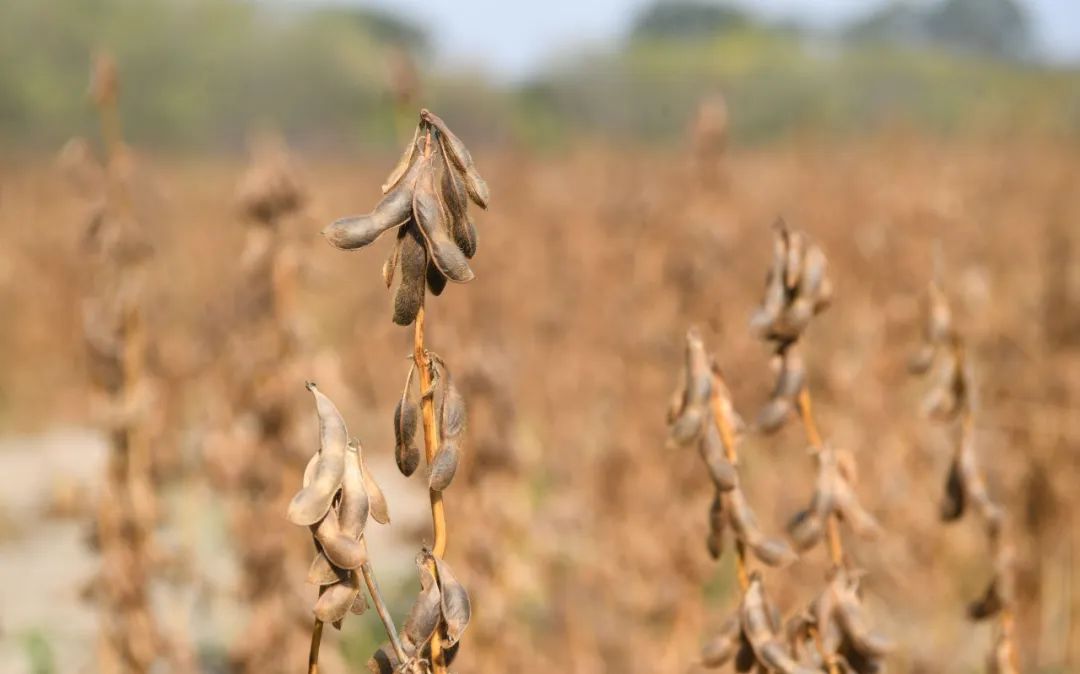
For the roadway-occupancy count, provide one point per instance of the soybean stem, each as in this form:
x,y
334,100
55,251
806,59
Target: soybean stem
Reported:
x,y
438,515
832,530
313,653
380,608
727,438
836,547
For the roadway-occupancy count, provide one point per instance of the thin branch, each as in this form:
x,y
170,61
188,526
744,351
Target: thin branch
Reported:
x,y
380,608
431,444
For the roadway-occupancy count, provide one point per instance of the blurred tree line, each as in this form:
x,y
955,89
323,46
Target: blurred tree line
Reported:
x,y
199,74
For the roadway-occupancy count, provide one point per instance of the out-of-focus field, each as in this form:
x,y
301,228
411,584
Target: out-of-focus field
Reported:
x,y
586,545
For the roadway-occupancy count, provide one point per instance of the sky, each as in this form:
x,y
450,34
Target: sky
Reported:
x,y
514,38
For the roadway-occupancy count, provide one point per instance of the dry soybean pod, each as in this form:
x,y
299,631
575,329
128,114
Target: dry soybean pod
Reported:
x,y
409,296
456,607
429,217
313,501
392,211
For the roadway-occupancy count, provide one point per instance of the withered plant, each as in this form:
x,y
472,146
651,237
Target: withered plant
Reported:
x,y
833,632
425,200
117,247
951,401
701,412
257,453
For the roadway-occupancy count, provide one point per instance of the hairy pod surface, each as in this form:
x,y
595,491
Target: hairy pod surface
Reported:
x,y
456,607
426,612
409,296
430,217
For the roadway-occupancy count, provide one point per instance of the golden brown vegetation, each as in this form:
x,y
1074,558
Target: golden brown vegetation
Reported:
x,y
574,523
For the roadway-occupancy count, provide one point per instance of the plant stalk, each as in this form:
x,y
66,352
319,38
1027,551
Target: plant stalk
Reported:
x,y
727,438
380,608
431,444
313,653
832,528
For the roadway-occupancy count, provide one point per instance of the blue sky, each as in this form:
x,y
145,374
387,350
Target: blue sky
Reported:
x,y
511,38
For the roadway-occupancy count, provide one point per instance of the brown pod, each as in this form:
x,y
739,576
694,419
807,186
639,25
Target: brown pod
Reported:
x,y
456,607
774,658
717,525
322,572
426,612
431,220
774,552
745,659
460,157
687,426
390,265
310,468
406,454
394,210
355,506
921,361
341,549
379,508
753,614
805,529
814,267
404,163
988,605
793,259
436,282
697,380
861,522
853,622
383,660
773,415
771,551
409,296
336,600
455,198
711,447
453,414
792,374
721,647
443,466
952,505
313,501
